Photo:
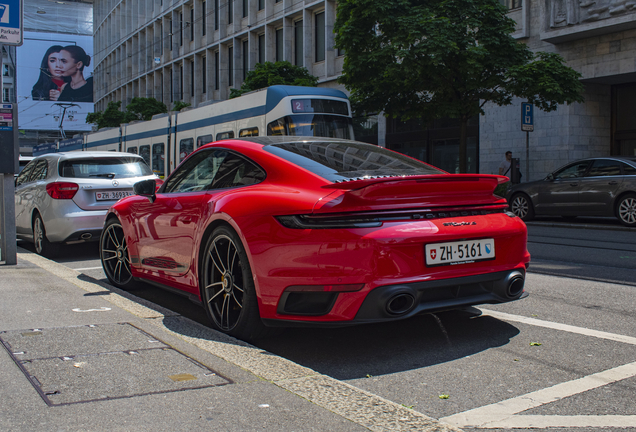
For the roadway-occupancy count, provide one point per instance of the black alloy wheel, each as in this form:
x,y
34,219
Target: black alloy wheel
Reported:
x,y
522,207
42,244
227,287
626,210
113,251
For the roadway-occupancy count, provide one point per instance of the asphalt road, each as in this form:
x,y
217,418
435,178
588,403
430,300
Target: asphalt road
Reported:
x,y
562,359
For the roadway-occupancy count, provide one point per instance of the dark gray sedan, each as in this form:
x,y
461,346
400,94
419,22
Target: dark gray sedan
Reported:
x,y
587,187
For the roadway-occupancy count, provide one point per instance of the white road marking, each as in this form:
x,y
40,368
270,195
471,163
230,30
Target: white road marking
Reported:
x,y
558,326
489,415
88,268
101,309
544,422
504,414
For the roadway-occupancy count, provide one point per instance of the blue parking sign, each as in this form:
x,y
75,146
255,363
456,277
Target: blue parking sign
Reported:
x,y
11,22
527,118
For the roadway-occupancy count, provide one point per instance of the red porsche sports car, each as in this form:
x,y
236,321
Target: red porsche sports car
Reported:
x,y
282,231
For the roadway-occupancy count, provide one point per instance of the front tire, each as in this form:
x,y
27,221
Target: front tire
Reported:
x,y
113,251
42,244
626,210
227,286
522,207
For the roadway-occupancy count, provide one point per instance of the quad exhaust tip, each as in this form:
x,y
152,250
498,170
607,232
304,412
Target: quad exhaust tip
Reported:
x,y
86,236
400,304
515,285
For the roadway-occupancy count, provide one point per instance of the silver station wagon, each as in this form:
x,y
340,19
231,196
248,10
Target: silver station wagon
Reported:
x,y
62,198
588,187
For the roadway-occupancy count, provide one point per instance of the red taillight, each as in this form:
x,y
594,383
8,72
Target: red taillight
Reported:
x,y
158,183
62,190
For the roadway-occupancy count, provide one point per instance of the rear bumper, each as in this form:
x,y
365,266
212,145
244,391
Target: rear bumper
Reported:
x,y
401,301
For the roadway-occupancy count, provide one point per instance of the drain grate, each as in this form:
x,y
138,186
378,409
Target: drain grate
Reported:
x,y
70,365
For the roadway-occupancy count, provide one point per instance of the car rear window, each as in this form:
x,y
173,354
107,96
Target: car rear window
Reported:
x,y
335,161
114,167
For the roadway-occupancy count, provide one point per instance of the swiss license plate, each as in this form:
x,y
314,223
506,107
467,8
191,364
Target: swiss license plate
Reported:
x,y
460,252
114,195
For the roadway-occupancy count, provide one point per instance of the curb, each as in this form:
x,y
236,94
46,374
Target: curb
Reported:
x,y
358,406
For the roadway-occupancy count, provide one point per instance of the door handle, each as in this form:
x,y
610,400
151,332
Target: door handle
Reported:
x,y
613,182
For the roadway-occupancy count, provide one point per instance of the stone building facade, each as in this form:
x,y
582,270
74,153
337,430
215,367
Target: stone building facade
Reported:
x,y
598,39
195,51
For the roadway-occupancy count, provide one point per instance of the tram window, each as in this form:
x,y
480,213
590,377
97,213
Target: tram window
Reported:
x,y
157,159
204,139
248,132
132,150
144,152
186,146
277,127
225,135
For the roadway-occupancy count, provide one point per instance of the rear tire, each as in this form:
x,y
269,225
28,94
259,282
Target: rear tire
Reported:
x,y
227,287
42,244
113,251
626,210
522,207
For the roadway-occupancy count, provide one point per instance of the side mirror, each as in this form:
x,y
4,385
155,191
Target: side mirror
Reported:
x,y
550,177
145,188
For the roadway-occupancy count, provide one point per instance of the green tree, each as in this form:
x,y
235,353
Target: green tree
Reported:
x,y
179,105
137,109
444,58
269,74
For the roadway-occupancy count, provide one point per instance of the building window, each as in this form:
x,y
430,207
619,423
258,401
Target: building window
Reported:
x,y
171,86
511,4
192,78
180,29
6,94
161,33
171,33
298,43
246,57
261,5
204,20
261,48
230,11
320,36
279,45
230,63
204,77
216,14
191,25
245,8
181,92
216,70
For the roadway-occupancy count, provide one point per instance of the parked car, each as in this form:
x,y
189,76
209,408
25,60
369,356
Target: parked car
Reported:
x,y
586,187
64,197
281,231
22,162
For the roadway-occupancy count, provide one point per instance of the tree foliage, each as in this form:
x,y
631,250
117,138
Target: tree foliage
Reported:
x,y
138,109
269,74
179,105
444,58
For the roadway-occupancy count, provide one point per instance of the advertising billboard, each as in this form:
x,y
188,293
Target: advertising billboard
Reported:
x,y
55,83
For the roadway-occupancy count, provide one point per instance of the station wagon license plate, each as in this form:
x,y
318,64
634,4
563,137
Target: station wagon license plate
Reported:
x,y
460,252
114,195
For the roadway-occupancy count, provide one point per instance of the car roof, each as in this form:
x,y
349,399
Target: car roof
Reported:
x,y
90,154
272,140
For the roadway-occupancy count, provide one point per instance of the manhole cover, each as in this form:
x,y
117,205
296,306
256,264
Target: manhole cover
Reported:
x,y
99,362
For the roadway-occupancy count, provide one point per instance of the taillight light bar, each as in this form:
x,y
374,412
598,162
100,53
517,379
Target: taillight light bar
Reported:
x,y
62,190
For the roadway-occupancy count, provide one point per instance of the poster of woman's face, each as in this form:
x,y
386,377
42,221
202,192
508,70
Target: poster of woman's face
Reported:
x,y
55,72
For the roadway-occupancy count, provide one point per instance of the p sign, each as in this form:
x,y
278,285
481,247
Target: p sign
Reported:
x,y
11,22
527,118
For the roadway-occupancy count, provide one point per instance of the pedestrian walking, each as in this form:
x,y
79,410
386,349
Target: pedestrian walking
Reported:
x,y
504,167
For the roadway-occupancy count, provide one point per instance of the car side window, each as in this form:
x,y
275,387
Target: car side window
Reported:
x,y
196,173
628,170
26,173
572,171
40,171
604,168
237,171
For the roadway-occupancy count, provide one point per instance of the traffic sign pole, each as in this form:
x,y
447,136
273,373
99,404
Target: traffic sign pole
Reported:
x,y
527,125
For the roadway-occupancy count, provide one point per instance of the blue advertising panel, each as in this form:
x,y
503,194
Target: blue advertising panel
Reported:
x,y
11,22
